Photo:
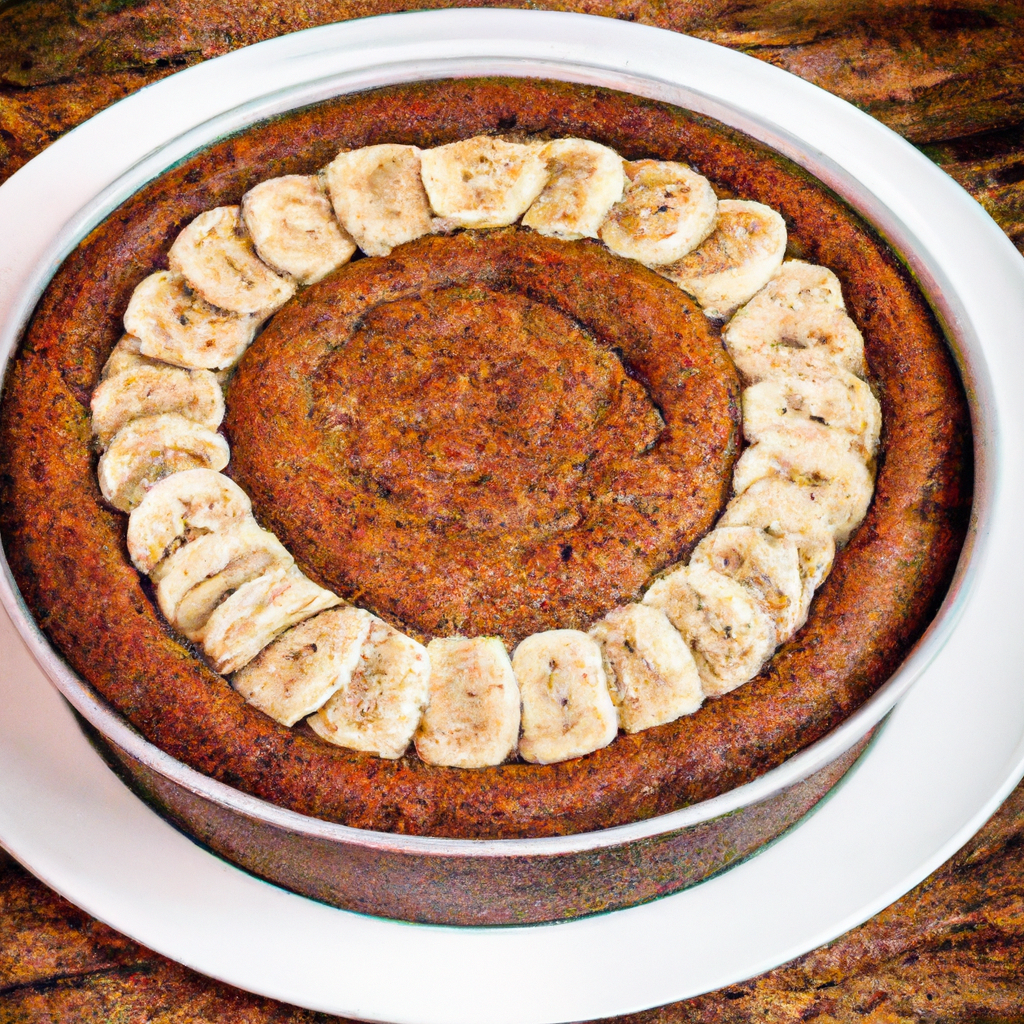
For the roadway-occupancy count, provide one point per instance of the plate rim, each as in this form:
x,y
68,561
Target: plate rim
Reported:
x,y
795,769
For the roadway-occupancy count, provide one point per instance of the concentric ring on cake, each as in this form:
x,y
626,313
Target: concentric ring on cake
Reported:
x,y
589,450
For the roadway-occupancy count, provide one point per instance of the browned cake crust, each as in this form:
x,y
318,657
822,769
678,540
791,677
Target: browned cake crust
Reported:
x,y
68,551
459,457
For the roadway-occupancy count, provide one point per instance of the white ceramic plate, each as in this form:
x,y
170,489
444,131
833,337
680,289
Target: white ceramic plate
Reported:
x,y
949,754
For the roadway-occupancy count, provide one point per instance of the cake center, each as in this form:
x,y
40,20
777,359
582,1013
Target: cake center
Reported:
x,y
475,410
486,434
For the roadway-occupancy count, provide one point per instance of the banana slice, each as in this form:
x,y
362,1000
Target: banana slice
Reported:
x,y
653,675
148,449
378,196
769,565
735,261
126,355
248,620
196,607
150,390
800,285
841,402
215,254
567,710
381,705
667,211
202,573
809,454
786,509
817,552
180,508
175,325
729,631
796,324
306,665
585,179
472,716
483,182
775,343
777,505
294,228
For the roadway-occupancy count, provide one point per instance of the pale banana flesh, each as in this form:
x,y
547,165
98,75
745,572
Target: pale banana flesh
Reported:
x,y
127,355
193,581
483,182
150,390
808,477
729,632
216,255
180,508
667,211
770,566
786,509
473,711
148,449
176,325
840,401
378,196
795,324
248,620
840,484
652,674
776,504
735,261
817,551
379,707
293,228
585,179
567,709
306,665
196,607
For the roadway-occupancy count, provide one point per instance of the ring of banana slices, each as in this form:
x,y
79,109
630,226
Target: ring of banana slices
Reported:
x,y
299,652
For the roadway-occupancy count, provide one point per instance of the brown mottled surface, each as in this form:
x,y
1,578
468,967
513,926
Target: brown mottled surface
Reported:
x,y
506,433
880,595
991,168
949,951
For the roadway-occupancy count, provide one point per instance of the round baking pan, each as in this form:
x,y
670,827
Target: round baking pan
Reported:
x,y
525,880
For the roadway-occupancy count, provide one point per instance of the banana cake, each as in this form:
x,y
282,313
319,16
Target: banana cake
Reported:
x,y
484,458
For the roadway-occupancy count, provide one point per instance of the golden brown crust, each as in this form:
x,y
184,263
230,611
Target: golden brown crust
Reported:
x,y
440,445
68,554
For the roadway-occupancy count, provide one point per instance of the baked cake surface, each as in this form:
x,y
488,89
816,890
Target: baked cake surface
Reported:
x,y
67,549
485,464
